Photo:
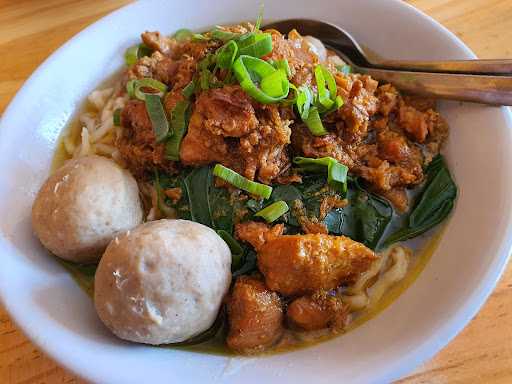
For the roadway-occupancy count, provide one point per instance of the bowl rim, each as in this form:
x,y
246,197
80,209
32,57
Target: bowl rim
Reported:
x,y
456,322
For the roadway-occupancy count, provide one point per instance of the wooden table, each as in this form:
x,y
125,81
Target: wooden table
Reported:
x,y
31,29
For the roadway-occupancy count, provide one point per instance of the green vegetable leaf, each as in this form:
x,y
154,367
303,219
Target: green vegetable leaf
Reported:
x,y
197,185
433,206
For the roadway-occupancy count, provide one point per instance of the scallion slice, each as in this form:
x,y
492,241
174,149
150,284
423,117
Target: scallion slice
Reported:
x,y
336,172
226,55
314,123
260,17
183,34
225,36
255,44
304,101
324,93
283,64
273,211
117,117
179,123
241,182
189,90
247,68
345,69
147,82
134,53
157,116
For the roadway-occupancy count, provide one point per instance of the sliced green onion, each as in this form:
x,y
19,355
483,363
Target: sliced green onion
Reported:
x,y
131,55
241,182
117,117
225,36
226,55
336,172
260,17
255,44
147,82
273,84
233,244
273,211
189,90
130,88
204,79
246,68
183,35
283,64
179,124
304,101
134,53
157,116
199,37
324,94
314,123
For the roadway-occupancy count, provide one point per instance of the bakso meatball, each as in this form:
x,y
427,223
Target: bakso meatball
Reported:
x,y
83,206
162,283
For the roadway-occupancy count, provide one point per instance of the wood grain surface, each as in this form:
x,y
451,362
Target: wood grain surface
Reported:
x,y
30,30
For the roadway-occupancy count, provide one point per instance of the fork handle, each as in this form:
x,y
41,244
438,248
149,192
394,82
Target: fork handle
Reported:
x,y
485,89
490,67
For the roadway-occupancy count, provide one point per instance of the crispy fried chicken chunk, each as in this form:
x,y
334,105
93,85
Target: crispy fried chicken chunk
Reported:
x,y
318,311
256,233
255,316
302,264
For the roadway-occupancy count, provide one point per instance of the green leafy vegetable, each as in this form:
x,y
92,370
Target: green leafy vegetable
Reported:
x,y
272,212
241,182
235,248
248,264
179,124
197,185
433,206
336,172
157,116
162,206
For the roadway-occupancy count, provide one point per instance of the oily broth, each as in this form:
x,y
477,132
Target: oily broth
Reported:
x,y
292,339
84,276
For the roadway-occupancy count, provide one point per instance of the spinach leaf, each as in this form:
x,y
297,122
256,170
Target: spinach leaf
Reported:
x,y
433,206
248,265
367,216
221,209
197,185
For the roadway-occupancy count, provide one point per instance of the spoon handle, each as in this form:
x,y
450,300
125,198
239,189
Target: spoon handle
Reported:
x,y
485,89
490,67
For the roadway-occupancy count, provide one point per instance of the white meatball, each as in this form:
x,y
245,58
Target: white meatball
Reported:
x,y
162,283
83,206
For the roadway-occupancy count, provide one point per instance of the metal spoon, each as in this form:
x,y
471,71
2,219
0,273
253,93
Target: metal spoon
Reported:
x,y
481,81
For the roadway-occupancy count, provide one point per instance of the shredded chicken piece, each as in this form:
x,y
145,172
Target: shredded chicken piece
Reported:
x,y
318,311
256,233
255,316
302,264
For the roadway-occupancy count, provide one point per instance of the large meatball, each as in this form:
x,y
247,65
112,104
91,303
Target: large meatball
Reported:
x,y
163,282
83,206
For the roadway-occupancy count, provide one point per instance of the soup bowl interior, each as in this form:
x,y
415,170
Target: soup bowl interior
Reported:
x,y
53,311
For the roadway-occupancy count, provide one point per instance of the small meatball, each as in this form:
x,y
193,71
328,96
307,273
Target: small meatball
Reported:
x,y
256,233
302,264
162,283
318,311
83,206
255,316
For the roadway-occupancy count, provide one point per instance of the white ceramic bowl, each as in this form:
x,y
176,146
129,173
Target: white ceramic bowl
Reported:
x,y
48,305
